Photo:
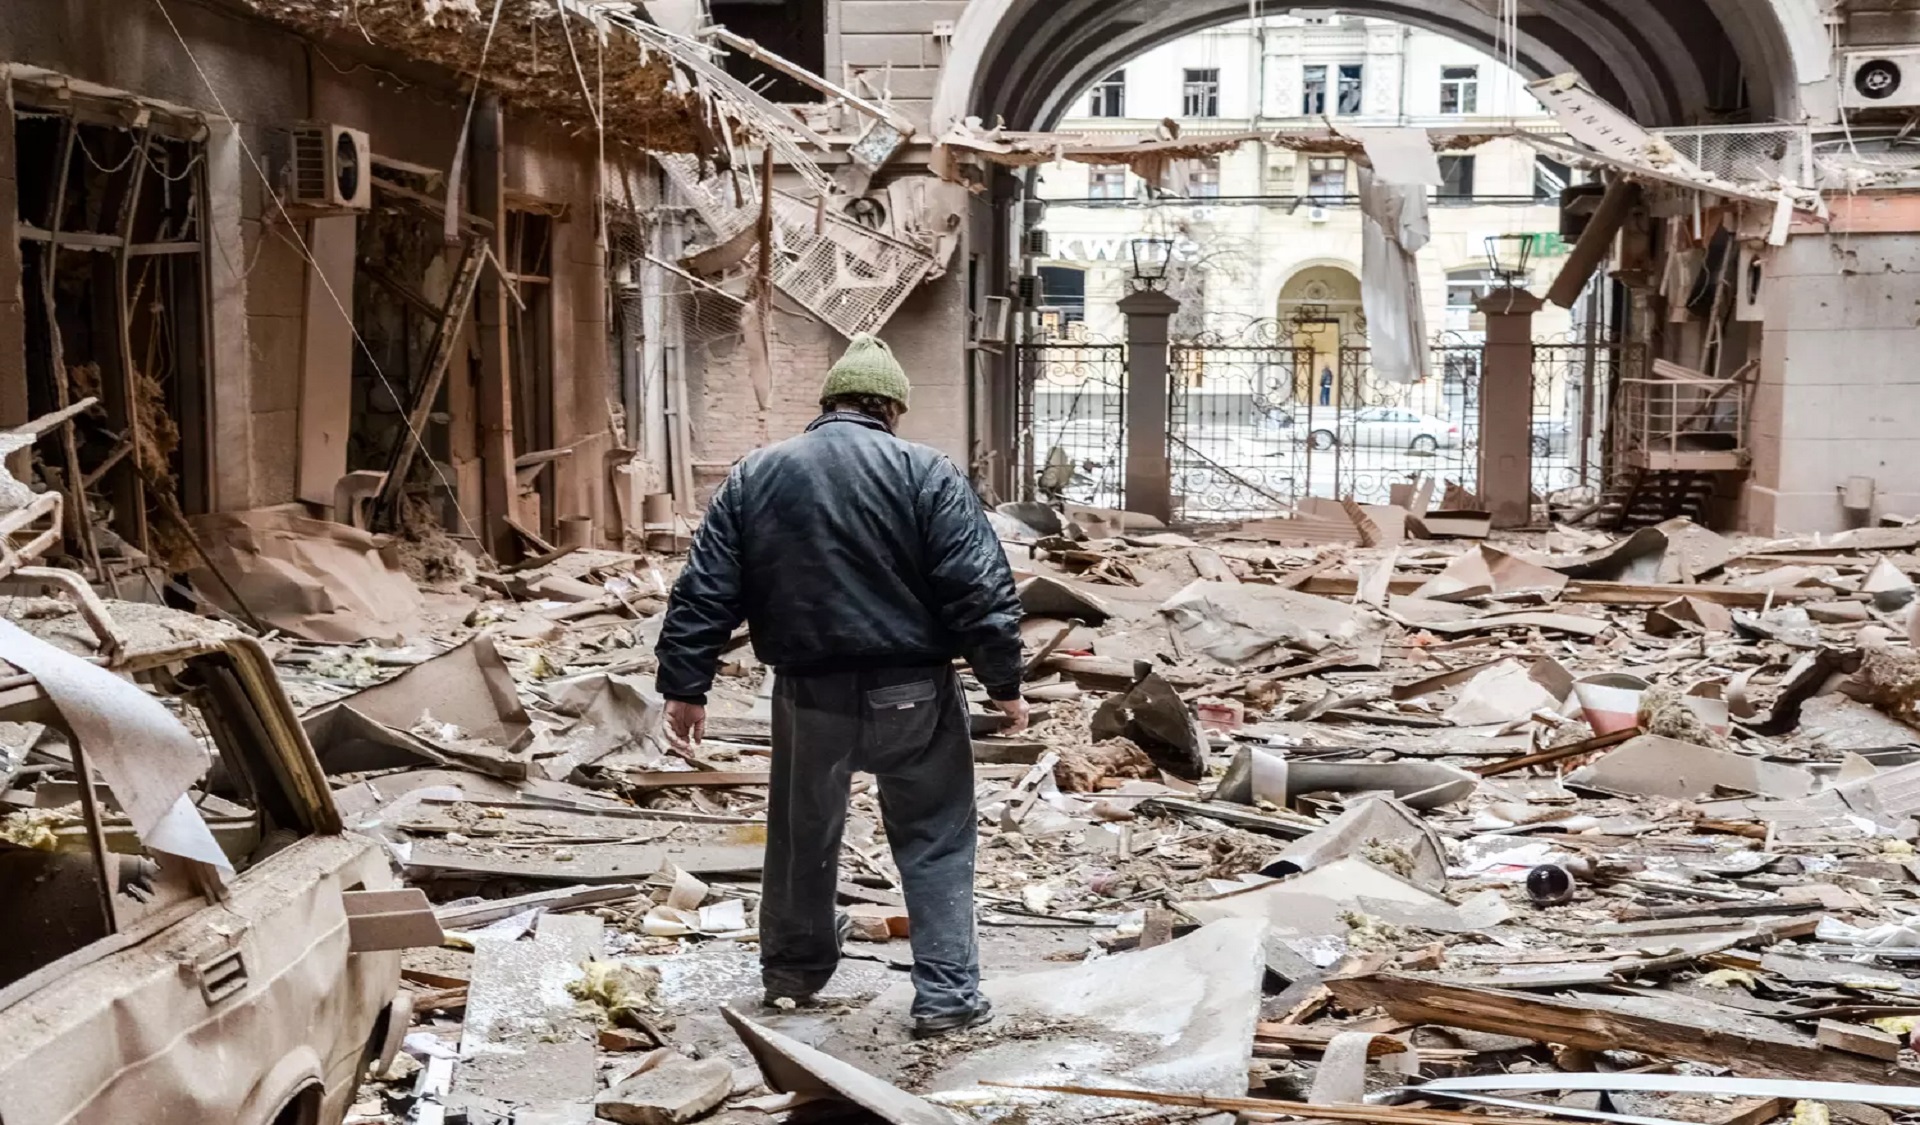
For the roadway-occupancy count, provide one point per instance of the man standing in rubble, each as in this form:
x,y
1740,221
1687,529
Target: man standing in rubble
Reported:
x,y
863,566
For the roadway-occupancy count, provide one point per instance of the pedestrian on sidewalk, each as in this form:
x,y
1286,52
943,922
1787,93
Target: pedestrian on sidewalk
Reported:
x,y
863,566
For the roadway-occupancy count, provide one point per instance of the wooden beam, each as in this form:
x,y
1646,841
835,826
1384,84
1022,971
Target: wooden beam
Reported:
x,y
489,195
1263,1108
1556,753
694,779
1594,1028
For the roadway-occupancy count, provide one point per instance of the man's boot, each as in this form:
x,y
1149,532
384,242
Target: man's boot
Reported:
x,y
932,1027
800,986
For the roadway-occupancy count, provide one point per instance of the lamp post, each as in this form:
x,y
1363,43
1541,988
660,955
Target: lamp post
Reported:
x,y
1150,259
1508,256
1506,384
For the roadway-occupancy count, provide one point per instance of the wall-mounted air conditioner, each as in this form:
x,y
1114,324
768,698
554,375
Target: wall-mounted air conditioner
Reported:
x,y
990,326
332,166
1318,214
1882,79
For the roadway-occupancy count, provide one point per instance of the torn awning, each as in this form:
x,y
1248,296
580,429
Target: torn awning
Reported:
x,y
1613,140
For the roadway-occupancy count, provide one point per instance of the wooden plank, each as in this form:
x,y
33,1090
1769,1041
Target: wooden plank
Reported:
x,y
1856,1039
554,901
1660,593
1569,1022
1318,1038
694,779
1556,753
1261,1109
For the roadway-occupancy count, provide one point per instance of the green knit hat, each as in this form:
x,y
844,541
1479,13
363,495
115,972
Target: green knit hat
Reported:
x,y
868,368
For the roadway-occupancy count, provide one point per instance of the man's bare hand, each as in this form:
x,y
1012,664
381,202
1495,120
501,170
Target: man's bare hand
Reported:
x,y
1017,712
686,724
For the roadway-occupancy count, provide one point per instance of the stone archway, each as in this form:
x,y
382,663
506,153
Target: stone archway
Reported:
x,y
1319,307
1666,62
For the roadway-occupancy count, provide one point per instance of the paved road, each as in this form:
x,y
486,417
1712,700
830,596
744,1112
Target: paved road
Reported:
x,y
1246,472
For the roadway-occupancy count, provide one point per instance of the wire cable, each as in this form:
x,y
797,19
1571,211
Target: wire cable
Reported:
x,y
307,253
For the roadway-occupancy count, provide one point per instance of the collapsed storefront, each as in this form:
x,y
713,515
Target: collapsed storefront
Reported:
x,y
501,281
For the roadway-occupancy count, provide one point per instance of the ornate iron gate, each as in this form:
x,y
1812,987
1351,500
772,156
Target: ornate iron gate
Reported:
x,y
1393,433
1073,421
1234,413
1571,382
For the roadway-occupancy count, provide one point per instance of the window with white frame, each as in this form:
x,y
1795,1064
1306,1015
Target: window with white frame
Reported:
x,y
1313,90
1460,89
1107,181
1353,77
1200,93
1326,178
1109,96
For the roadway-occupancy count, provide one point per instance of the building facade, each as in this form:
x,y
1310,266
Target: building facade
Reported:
x,y
1265,231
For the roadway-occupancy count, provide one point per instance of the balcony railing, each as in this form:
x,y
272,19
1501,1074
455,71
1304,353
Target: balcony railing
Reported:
x,y
1678,421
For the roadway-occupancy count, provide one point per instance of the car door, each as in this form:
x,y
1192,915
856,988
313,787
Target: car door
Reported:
x,y
1370,428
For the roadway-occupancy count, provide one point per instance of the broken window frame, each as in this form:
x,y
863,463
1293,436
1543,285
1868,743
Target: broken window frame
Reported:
x,y
1459,90
1551,177
1200,92
1457,172
1350,89
1109,96
1313,89
166,151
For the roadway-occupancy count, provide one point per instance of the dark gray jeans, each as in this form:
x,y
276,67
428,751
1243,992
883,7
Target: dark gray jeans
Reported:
x,y
908,727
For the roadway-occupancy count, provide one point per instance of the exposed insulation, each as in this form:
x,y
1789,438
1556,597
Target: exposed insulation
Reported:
x,y
529,63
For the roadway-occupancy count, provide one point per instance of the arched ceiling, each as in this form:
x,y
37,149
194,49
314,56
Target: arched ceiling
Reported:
x,y
1666,62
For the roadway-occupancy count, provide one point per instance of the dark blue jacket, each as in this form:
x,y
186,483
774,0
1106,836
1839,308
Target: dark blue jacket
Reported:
x,y
844,548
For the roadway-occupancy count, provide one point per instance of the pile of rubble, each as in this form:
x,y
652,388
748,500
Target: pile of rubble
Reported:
x,y
1429,830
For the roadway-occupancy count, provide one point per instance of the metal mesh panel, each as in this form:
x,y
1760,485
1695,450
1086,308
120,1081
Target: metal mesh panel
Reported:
x,y
849,276
1745,153
713,198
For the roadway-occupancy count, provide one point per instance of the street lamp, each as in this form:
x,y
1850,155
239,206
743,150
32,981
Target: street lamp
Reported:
x,y
1150,258
1508,255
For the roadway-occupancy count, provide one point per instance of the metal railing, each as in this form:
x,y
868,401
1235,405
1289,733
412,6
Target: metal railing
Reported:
x,y
1676,422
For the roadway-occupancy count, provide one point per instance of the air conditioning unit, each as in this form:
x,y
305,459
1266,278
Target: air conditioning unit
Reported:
x,y
1037,245
990,326
1318,215
1882,80
332,166
1032,293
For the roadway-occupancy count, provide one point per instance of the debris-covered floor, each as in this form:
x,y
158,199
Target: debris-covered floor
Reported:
x,y
1551,825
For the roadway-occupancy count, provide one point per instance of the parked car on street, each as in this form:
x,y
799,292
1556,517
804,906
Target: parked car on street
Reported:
x,y
140,986
1386,427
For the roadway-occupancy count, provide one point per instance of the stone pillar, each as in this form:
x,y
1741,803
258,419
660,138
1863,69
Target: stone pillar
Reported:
x,y
1149,475
1506,407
